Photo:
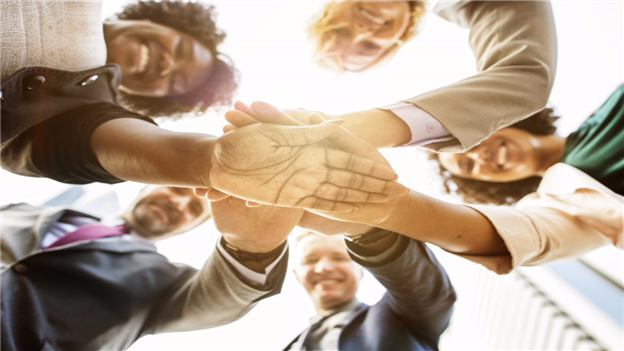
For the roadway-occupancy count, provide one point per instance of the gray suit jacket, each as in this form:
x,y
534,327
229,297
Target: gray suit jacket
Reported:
x,y
414,311
515,47
107,293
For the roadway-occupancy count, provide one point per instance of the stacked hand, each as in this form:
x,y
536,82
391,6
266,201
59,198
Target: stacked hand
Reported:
x,y
287,166
253,229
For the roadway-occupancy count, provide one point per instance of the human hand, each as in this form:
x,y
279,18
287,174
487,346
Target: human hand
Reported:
x,y
262,112
253,229
328,226
281,166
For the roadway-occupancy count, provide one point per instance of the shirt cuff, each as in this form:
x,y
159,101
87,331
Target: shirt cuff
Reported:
x,y
250,276
424,127
361,255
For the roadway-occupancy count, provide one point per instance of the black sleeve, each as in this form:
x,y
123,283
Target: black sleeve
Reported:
x,y
60,147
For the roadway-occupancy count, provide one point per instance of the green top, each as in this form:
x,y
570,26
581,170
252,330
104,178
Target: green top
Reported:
x,y
597,146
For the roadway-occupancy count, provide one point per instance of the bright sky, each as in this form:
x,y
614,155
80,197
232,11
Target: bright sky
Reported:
x,y
266,40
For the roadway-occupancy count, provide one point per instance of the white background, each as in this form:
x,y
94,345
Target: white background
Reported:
x,y
266,40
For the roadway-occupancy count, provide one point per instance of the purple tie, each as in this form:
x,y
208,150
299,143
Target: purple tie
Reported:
x,y
88,232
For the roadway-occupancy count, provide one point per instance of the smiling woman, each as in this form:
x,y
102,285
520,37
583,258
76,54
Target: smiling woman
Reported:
x,y
169,58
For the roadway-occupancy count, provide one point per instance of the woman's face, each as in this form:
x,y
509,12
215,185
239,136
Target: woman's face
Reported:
x,y
509,154
367,29
156,60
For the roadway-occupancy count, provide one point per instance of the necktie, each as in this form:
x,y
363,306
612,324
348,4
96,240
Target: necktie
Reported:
x,y
88,232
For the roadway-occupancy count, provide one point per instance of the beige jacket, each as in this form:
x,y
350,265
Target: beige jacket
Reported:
x,y
515,47
570,214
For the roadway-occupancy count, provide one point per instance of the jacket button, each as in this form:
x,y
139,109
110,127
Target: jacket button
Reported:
x,y
20,268
32,83
89,80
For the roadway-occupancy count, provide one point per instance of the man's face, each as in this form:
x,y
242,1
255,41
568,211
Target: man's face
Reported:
x,y
156,60
161,211
326,271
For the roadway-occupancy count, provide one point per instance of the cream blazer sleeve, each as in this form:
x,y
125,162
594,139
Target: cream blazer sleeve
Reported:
x,y
515,47
569,215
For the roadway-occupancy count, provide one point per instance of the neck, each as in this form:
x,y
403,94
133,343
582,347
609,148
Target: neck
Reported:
x,y
325,310
549,151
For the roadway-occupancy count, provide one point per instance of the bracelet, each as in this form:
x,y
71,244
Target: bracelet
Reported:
x,y
245,256
369,237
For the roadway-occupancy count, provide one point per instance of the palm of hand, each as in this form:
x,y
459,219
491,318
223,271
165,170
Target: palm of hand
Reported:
x,y
257,163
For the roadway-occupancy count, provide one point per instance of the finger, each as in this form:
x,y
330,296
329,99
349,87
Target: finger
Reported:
x,y
267,113
200,192
304,135
252,204
216,195
347,179
239,119
330,191
315,203
228,128
350,162
240,106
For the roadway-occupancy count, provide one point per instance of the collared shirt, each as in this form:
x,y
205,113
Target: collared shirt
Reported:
x,y
325,337
424,127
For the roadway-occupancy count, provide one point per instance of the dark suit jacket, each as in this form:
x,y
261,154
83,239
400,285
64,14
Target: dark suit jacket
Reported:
x,y
413,312
107,293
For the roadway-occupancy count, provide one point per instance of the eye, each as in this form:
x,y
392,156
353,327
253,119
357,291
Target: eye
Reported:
x,y
309,261
466,164
196,207
368,45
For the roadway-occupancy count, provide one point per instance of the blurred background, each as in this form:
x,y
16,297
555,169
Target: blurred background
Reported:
x,y
571,305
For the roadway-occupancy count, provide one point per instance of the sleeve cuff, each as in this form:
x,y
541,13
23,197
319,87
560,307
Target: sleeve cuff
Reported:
x,y
250,277
363,257
516,230
424,127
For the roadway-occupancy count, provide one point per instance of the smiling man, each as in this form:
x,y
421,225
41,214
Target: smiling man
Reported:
x,y
411,315
73,281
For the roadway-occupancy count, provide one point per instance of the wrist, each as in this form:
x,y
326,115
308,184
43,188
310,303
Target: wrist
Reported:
x,y
205,154
243,255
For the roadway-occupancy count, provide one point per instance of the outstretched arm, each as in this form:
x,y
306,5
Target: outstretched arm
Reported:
x,y
268,164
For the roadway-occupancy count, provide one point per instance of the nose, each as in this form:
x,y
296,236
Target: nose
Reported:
x,y
478,155
165,64
323,265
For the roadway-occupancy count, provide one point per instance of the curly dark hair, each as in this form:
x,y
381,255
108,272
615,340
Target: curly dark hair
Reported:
x,y
198,21
478,191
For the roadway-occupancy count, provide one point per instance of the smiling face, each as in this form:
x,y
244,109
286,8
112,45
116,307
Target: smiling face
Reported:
x,y
509,154
162,211
326,271
156,60
365,30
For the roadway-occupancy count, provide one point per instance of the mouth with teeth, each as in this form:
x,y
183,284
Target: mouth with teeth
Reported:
x,y
372,17
144,53
501,155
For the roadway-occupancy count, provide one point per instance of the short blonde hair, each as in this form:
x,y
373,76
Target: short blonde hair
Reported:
x,y
323,37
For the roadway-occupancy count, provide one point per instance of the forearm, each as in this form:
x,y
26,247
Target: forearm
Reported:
x,y
455,228
381,128
135,150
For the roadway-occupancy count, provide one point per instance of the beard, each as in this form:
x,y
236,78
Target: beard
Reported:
x,y
150,222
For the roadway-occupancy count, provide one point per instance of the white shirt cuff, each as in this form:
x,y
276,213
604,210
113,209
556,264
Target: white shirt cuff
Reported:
x,y
251,276
424,127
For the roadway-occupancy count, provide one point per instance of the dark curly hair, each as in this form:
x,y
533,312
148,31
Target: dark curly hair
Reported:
x,y
478,191
198,21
